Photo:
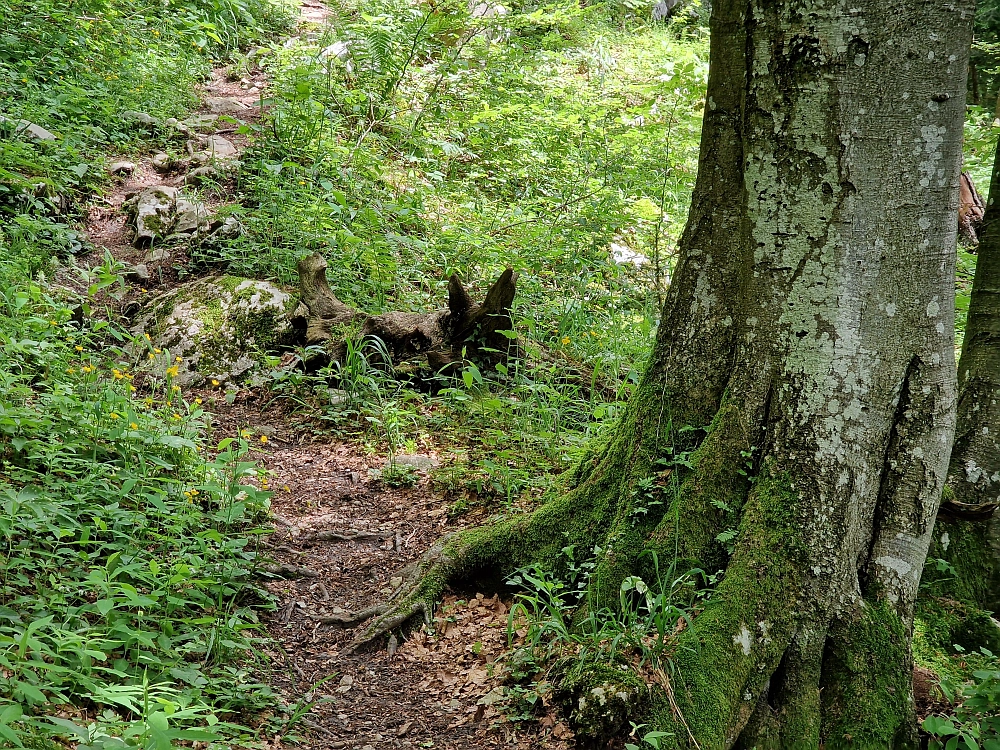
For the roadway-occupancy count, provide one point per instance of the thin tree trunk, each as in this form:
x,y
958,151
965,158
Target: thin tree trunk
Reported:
x,y
969,531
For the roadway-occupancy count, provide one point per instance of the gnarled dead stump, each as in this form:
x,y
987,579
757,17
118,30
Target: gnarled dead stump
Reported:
x,y
444,337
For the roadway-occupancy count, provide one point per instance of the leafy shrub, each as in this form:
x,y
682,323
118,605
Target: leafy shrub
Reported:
x,y
976,721
127,552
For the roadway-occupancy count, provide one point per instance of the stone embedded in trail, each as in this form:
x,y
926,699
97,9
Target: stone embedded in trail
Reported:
x,y
228,229
137,272
225,105
201,123
414,461
154,209
121,168
191,217
220,148
200,175
222,328
162,211
161,162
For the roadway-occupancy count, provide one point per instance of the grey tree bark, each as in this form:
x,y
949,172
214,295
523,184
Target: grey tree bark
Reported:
x,y
968,534
804,362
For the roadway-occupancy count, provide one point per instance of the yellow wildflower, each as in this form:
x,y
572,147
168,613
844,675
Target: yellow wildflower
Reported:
x,y
263,439
86,368
565,339
172,371
178,359
78,348
214,381
133,426
113,415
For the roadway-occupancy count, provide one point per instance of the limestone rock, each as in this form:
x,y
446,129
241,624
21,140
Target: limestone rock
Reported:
x,y
201,123
415,461
487,10
141,118
26,127
220,148
162,162
221,327
204,149
225,105
162,211
123,168
338,51
200,175
190,216
229,229
137,273
154,209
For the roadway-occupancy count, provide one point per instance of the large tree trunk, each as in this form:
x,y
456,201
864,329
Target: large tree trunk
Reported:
x,y
803,367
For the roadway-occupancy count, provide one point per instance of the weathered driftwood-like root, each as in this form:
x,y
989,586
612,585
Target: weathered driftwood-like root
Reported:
x,y
286,571
444,337
319,310
953,508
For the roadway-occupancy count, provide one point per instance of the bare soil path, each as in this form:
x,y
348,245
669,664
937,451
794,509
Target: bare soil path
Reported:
x,y
441,686
433,689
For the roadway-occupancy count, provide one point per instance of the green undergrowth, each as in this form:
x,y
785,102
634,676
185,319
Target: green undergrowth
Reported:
x,y
445,144
960,644
127,610
75,69
436,143
605,664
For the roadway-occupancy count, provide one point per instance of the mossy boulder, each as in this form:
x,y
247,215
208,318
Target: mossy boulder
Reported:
x,y
601,700
220,328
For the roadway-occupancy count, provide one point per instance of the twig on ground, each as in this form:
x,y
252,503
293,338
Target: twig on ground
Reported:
x,y
345,536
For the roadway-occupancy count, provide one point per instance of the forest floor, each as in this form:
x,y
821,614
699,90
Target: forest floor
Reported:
x,y
442,685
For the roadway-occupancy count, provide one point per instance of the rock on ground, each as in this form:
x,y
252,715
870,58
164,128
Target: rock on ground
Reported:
x,y
162,211
221,328
26,127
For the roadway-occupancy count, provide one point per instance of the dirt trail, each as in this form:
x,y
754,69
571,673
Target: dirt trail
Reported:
x,y
433,691
439,686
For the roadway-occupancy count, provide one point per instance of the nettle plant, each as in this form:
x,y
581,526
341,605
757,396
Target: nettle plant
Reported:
x,y
128,544
975,724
